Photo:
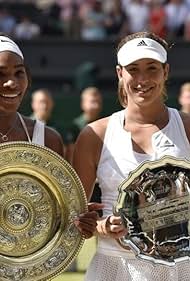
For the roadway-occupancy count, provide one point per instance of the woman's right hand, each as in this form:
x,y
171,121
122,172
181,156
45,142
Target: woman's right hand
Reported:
x,y
111,226
87,221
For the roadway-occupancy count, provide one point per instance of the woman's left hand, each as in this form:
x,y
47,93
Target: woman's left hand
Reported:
x,y
87,222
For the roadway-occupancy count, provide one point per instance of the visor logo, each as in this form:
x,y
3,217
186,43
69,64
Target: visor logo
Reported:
x,y
142,43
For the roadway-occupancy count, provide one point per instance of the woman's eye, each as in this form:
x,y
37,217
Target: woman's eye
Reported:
x,y
132,69
2,74
20,73
152,68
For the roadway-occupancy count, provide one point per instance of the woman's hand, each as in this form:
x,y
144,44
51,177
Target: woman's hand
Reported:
x,y
111,226
87,222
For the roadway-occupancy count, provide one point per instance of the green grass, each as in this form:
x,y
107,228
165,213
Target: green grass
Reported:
x,y
81,263
70,276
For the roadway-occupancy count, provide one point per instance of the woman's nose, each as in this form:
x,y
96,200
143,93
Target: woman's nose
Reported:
x,y
142,77
10,83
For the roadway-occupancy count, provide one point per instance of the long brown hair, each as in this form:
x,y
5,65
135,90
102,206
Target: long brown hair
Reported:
x,y
122,95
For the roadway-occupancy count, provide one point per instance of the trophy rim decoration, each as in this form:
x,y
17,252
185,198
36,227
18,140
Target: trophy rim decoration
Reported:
x,y
127,242
40,196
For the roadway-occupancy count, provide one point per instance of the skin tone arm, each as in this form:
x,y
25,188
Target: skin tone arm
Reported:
x,y
186,121
87,150
86,222
53,140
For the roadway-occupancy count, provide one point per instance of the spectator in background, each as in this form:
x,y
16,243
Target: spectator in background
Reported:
x,y
26,29
7,21
137,13
69,15
184,97
157,18
93,22
53,25
91,106
116,22
176,14
43,4
42,105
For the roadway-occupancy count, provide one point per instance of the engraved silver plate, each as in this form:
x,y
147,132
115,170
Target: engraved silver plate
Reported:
x,y
154,203
40,196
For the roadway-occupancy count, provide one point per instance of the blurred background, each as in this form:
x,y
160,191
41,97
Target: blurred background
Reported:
x,y
70,45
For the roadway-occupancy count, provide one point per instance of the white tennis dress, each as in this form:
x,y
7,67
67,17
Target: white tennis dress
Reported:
x,y
111,262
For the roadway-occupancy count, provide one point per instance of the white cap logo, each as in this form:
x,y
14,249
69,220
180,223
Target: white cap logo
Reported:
x,y
139,48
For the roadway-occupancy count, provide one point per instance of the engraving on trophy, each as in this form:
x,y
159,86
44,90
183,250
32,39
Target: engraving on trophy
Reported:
x,y
54,260
27,214
14,274
17,214
156,210
27,156
6,240
40,195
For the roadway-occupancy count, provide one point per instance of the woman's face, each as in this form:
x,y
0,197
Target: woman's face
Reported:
x,y
13,81
143,81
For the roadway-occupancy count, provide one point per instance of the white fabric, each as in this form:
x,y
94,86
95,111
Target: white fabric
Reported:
x,y
6,44
38,131
140,48
116,161
110,268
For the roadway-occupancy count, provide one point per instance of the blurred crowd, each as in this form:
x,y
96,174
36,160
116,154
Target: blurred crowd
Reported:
x,y
94,19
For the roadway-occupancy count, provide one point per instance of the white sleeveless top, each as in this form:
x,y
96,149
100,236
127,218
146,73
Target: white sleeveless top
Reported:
x,y
118,159
38,132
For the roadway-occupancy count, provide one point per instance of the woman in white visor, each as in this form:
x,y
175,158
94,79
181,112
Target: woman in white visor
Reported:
x,y
14,82
110,148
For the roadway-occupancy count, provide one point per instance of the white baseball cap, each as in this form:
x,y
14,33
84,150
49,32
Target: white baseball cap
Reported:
x,y
141,48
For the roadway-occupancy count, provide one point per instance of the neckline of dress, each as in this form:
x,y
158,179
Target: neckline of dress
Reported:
x,y
128,133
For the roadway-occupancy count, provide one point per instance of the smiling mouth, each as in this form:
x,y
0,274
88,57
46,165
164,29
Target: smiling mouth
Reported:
x,y
9,95
143,91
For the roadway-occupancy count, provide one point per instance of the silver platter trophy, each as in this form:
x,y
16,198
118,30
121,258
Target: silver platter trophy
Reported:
x,y
40,196
154,203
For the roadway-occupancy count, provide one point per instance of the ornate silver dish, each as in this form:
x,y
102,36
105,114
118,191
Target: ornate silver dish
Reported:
x,y
154,203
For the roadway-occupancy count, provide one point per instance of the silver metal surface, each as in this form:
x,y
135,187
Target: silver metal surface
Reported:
x,y
154,203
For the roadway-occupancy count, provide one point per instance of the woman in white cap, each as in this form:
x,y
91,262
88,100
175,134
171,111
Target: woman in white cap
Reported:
x,y
112,147
14,81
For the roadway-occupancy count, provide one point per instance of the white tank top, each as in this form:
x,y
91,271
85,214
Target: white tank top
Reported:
x,y
118,159
38,132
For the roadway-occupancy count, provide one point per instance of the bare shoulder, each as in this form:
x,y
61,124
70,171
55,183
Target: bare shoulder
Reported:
x,y
186,121
87,151
95,129
90,140
53,140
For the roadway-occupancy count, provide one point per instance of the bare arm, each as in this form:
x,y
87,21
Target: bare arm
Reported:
x,y
87,153
186,121
53,140
85,161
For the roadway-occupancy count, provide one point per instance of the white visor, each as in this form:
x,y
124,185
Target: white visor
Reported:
x,y
6,44
141,48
